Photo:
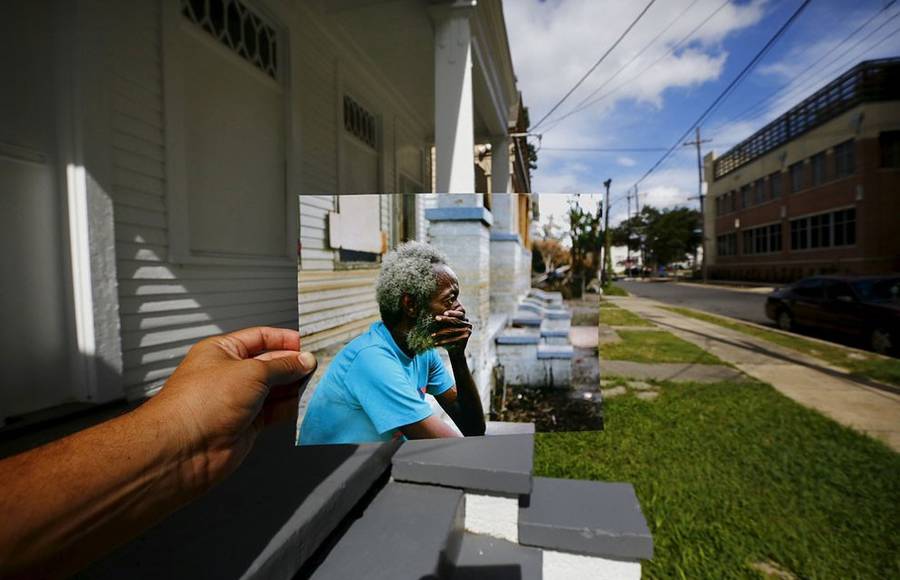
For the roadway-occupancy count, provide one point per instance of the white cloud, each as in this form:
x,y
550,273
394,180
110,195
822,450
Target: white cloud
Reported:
x,y
553,43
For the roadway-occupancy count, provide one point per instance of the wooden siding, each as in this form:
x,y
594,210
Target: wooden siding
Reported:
x,y
335,306
166,307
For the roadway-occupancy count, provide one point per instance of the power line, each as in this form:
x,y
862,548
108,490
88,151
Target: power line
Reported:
x,y
806,84
671,51
596,64
728,90
638,54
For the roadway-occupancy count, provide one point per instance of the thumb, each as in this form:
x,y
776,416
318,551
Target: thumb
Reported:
x,y
288,369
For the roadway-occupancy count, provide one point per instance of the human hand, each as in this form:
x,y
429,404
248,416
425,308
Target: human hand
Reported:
x,y
226,390
455,330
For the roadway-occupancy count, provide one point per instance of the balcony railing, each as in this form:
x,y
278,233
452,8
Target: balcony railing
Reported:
x,y
869,81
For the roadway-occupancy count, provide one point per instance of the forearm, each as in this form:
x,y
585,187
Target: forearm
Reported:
x,y
69,502
469,416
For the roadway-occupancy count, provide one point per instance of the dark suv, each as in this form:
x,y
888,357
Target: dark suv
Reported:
x,y
867,308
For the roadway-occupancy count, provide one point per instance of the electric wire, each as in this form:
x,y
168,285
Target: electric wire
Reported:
x,y
618,87
596,64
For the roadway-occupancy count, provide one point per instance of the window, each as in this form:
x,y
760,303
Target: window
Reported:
x,y
726,244
799,231
760,240
745,197
820,231
845,159
845,227
775,180
359,122
796,172
817,162
238,28
759,193
747,242
719,205
775,238
889,142
835,289
810,288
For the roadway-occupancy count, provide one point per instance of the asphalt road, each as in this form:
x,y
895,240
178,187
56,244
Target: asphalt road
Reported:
x,y
743,305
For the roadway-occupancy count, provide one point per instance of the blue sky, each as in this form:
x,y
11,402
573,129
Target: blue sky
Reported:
x,y
554,42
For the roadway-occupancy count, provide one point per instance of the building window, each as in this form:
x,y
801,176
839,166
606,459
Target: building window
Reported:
x,y
845,227
726,244
845,159
796,172
745,197
817,162
799,231
824,230
820,231
775,238
775,180
732,201
238,28
359,122
890,149
759,192
747,242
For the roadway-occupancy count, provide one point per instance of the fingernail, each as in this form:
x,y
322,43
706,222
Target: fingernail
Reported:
x,y
307,359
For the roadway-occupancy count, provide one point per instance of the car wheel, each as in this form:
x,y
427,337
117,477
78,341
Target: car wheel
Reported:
x,y
880,341
785,320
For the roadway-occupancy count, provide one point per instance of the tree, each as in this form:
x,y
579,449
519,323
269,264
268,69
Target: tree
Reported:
x,y
552,253
530,151
671,235
586,234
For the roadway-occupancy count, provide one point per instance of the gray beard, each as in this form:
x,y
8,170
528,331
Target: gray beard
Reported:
x,y
419,338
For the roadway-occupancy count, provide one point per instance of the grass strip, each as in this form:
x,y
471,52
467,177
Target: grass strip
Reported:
x,y
616,316
648,346
734,475
613,290
866,365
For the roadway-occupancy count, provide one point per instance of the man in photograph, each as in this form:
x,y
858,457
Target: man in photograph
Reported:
x,y
375,388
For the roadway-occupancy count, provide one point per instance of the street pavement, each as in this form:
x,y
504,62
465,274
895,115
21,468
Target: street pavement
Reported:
x,y
864,405
725,301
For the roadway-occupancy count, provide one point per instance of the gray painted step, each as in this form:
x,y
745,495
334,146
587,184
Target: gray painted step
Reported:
x,y
496,463
586,517
408,531
519,336
551,351
488,558
262,522
526,318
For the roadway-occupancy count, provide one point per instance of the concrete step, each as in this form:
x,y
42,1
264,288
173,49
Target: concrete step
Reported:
x,y
519,336
526,318
484,557
593,518
557,325
555,351
495,464
408,531
554,297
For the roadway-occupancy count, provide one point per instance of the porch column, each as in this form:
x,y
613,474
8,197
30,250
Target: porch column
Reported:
x,y
506,254
453,110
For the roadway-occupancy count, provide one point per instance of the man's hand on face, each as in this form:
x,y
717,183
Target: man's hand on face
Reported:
x,y
228,387
454,330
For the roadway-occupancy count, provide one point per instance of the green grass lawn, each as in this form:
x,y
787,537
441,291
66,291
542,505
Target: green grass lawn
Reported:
x,y
615,316
613,290
733,474
652,346
871,366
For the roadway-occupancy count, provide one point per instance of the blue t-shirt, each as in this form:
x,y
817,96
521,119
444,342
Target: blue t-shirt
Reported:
x,y
370,389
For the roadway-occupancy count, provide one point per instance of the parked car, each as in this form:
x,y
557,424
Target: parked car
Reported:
x,y
867,308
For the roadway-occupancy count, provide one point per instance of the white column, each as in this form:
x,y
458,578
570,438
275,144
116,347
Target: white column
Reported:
x,y
500,167
453,109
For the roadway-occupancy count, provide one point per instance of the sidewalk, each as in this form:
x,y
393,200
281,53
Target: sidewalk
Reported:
x,y
807,380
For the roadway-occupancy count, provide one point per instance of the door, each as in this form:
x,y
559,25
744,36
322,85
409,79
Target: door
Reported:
x,y
37,332
809,299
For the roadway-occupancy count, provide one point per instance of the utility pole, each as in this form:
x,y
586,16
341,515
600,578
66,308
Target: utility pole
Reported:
x,y
604,273
697,142
628,241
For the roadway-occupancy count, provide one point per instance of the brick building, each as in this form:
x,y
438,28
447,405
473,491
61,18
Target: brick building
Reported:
x,y
815,191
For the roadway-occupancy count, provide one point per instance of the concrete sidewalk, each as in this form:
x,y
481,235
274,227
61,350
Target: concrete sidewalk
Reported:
x,y
832,391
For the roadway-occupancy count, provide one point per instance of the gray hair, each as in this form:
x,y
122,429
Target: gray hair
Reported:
x,y
408,269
